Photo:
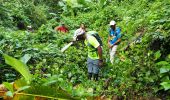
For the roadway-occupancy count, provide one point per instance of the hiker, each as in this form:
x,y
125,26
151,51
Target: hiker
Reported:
x,y
94,46
113,39
62,28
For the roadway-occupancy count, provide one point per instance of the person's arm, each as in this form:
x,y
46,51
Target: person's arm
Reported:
x,y
99,50
117,41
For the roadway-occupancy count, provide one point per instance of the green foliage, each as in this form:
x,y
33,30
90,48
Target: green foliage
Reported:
x,y
19,66
27,12
139,70
8,86
42,87
164,74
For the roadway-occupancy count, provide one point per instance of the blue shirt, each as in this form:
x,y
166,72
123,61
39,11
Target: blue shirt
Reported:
x,y
115,35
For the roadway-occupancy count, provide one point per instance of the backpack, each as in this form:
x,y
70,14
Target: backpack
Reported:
x,y
96,35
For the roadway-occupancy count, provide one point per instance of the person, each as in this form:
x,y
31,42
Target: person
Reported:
x,y
62,28
113,39
94,60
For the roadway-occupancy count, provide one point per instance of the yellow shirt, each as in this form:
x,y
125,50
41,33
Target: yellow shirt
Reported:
x,y
92,45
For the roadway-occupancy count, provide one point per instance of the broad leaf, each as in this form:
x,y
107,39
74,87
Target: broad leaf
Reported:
x,y
23,88
9,86
165,69
18,66
161,63
19,83
166,85
157,55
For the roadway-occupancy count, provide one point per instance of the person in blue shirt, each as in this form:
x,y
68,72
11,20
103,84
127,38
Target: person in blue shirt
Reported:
x,y
113,39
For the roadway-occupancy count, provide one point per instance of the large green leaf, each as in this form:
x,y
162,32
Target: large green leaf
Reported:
x,y
162,63
165,69
8,86
18,66
23,88
166,85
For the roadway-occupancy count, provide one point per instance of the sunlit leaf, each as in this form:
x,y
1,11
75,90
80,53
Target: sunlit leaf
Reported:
x,y
157,55
19,66
161,63
166,85
165,69
23,88
9,86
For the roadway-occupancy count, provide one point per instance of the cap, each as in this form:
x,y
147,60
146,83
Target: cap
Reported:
x,y
78,32
112,22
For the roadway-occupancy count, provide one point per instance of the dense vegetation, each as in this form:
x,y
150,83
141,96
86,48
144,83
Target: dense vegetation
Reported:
x,y
141,68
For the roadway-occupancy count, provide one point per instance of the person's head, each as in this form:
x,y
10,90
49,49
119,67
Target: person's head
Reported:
x,y
80,35
112,24
62,24
82,26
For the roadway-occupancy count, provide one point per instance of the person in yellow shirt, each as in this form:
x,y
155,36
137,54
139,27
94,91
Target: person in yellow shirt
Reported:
x,y
94,47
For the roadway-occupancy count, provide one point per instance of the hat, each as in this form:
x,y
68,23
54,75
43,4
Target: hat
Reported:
x,y
79,32
29,26
112,22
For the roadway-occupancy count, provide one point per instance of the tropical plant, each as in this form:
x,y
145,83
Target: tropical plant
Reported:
x,y
141,66
164,74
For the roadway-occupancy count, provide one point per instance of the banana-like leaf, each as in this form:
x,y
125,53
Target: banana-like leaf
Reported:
x,y
18,66
49,92
19,83
8,86
166,85
22,88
